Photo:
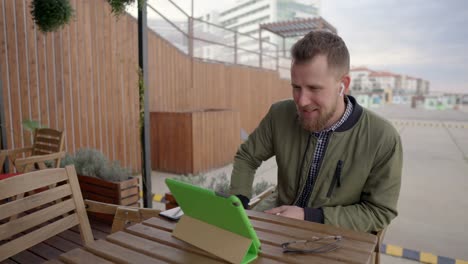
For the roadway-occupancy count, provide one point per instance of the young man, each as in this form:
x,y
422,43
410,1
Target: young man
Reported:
x,y
338,163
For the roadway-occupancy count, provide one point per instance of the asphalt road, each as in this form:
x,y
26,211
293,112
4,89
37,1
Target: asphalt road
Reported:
x,y
433,208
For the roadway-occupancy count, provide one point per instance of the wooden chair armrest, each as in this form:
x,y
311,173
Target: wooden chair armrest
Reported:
x,y
122,214
147,213
21,164
255,200
98,207
14,152
380,237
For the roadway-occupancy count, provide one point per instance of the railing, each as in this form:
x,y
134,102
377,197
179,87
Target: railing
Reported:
x,y
211,42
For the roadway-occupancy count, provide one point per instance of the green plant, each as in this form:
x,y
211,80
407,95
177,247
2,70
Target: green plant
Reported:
x,y
49,15
220,183
118,6
31,125
91,162
114,172
261,186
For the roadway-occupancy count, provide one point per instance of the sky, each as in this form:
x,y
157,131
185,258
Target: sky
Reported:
x,y
426,39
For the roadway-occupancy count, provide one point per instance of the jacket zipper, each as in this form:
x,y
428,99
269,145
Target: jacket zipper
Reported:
x,y
318,171
336,178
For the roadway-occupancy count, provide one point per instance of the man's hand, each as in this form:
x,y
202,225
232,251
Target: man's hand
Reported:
x,y
288,211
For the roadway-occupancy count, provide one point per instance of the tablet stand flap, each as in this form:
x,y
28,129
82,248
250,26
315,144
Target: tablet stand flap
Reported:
x,y
219,242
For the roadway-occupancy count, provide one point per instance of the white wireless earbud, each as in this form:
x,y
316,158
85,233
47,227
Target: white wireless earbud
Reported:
x,y
342,89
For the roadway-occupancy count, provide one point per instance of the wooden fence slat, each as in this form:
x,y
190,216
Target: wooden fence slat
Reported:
x,y
83,79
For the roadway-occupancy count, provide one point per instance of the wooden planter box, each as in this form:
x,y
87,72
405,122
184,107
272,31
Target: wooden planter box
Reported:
x,y
195,141
120,193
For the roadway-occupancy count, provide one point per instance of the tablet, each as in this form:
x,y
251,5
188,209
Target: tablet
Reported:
x,y
220,210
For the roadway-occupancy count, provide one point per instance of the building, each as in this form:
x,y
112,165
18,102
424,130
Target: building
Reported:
x,y
244,17
360,81
396,87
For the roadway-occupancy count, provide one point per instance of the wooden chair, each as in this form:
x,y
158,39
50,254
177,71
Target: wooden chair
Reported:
x,y
123,215
38,162
41,215
257,199
380,236
47,144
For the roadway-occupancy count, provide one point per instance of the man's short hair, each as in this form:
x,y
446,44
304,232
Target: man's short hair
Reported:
x,y
319,42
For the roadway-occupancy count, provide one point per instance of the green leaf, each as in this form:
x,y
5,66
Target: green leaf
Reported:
x,y
31,125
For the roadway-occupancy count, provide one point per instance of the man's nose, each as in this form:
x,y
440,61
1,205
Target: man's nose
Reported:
x,y
303,99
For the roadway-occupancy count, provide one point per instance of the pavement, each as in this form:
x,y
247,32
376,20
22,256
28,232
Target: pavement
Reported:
x,y
433,208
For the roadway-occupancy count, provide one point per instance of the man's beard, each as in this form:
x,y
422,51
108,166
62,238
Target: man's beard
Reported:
x,y
317,124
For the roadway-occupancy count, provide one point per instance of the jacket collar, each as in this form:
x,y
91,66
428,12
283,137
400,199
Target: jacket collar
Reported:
x,y
353,118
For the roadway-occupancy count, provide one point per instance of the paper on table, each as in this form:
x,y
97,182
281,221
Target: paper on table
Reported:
x,y
173,214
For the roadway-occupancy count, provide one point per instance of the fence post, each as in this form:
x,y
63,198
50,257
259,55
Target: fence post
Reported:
x,y
277,58
284,47
190,36
235,47
261,48
3,124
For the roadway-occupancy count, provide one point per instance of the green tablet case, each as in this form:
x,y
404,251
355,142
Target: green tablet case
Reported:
x,y
201,207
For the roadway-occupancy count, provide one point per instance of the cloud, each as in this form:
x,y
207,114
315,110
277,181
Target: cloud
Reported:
x,y
424,38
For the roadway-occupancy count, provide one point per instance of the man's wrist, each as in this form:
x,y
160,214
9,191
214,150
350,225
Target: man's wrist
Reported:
x,y
313,215
244,200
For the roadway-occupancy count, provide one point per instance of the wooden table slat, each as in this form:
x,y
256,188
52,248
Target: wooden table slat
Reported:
x,y
71,236
81,256
157,250
97,234
165,237
292,233
276,253
27,257
45,251
119,254
61,244
54,261
316,227
8,261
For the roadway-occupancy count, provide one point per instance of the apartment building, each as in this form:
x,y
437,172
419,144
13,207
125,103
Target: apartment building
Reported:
x,y
364,80
245,16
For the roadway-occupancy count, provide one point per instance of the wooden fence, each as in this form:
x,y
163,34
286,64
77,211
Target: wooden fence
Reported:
x,y
83,79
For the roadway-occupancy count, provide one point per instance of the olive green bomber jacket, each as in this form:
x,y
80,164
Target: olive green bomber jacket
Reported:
x,y
361,194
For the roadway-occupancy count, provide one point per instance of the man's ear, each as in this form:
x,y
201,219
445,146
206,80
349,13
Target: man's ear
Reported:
x,y
345,81
342,89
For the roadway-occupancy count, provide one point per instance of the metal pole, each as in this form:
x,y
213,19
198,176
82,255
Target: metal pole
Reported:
x,y
235,47
190,31
261,49
145,139
284,47
277,58
190,36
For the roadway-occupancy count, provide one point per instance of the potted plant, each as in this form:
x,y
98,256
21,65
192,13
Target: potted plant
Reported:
x,y
118,6
51,15
103,181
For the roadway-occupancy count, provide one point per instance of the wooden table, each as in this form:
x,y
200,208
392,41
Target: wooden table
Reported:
x,y
151,242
